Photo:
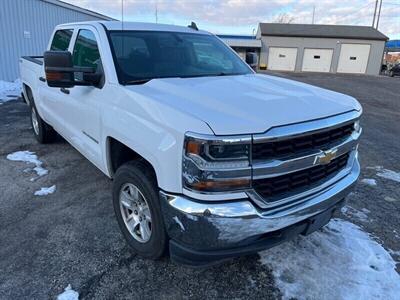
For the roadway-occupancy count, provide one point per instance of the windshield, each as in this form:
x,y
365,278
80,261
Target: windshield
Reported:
x,y
143,55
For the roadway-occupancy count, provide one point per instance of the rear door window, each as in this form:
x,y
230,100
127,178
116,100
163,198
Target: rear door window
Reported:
x,y
61,40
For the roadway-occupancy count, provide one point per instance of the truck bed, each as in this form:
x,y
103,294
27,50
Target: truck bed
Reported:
x,y
31,69
35,59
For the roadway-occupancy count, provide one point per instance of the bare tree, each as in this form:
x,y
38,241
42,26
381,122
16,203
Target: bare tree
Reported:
x,y
284,18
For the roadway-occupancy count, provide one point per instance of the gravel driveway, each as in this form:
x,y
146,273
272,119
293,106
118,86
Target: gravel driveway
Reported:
x,y
72,237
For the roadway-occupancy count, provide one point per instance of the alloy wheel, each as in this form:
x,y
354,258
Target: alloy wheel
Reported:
x,y
135,212
35,123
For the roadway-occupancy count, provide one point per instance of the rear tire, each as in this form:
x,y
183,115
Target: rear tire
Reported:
x,y
137,209
391,74
42,131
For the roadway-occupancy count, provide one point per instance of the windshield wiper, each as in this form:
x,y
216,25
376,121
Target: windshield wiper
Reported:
x,y
217,74
228,74
207,75
223,74
145,80
138,81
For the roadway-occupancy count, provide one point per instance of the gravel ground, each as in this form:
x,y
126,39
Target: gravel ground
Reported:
x,y
71,236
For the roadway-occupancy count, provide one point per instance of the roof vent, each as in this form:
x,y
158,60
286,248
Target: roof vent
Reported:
x,y
193,26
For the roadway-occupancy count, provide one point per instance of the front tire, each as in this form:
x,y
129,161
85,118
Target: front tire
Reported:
x,y
137,209
43,132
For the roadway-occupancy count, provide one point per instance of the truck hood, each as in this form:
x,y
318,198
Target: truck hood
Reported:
x,y
245,104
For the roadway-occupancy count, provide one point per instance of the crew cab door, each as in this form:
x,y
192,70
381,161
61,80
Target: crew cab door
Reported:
x,y
82,103
50,100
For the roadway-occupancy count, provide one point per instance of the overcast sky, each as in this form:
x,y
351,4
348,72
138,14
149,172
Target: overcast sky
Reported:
x,y
242,16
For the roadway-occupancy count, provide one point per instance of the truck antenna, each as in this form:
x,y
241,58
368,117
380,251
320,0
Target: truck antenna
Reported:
x,y
122,14
156,11
193,26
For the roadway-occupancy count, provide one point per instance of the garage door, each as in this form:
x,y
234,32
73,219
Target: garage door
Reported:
x,y
317,60
353,58
282,59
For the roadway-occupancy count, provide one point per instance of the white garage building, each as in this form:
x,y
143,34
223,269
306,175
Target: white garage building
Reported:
x,y
321,48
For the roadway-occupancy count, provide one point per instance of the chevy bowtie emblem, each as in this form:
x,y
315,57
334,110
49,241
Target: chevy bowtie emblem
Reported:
x,y
325,158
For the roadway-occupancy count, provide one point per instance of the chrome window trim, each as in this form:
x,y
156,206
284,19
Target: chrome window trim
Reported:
x,y
305,128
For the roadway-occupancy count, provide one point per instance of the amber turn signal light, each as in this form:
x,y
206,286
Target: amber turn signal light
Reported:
x,y
233,184
193,147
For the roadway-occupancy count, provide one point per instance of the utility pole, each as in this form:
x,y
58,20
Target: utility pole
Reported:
x,y
376,7
313,14
379,15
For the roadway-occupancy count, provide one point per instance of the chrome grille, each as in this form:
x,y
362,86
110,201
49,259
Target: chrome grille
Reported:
x,y
291,183
321,140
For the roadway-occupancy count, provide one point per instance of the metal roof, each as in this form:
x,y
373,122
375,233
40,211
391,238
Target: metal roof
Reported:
x,y
242,43
322,31
79,9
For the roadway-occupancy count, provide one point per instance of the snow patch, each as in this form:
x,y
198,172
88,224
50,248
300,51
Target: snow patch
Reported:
x,y
29,157
386,173
10,90
45,191
390,199
338,262
351,212
68,294
389,174
40,171
369,181
396,253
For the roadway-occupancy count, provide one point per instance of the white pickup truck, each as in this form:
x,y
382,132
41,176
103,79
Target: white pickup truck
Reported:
x,y
207,158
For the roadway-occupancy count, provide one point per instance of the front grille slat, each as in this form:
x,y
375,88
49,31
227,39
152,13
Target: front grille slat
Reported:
x,y
293,182
321,140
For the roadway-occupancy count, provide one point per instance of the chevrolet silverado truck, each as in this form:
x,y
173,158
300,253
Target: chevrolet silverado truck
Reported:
x,y
208,159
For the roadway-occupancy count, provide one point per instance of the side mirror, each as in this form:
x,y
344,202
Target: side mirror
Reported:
x,y
58,68
60,71
251,59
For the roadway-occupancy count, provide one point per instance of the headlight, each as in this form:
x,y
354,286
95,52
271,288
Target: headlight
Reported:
x,y
216,165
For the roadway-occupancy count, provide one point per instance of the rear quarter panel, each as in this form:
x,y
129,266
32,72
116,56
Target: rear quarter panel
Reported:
x,y
30,73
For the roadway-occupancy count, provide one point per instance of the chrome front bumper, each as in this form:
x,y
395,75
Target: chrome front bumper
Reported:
x,y
210,226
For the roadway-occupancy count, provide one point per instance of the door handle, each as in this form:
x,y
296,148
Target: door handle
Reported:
x,y
65,91
42,79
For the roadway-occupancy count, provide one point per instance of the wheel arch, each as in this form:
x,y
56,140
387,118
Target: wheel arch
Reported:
x,y
27,94
118,153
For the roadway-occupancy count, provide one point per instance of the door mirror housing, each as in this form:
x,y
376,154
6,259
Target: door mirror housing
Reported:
x,y
251,59
61,73
58,69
